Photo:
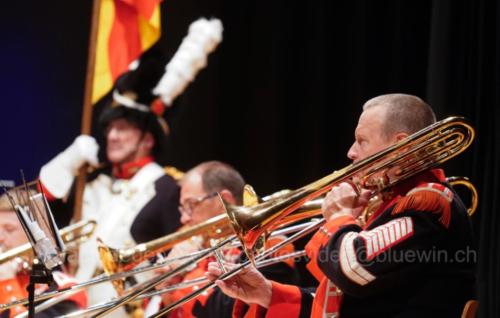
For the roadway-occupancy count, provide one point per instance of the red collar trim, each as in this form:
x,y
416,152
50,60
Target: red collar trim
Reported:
x,y
129,169
433,175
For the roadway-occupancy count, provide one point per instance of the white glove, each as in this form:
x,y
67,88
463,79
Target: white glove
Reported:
x,y
58,174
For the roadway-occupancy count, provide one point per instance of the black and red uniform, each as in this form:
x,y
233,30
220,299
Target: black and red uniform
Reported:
x,y
14,289
413,258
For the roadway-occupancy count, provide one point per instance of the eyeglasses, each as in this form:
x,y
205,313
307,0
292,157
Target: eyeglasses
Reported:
x,y
190,204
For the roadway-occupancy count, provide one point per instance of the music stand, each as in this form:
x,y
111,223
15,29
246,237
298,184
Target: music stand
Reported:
x,y
38,223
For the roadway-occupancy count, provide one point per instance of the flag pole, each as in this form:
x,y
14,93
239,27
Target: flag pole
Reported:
x,y
87,106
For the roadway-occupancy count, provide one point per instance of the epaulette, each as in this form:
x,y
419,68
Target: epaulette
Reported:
x,y
428,197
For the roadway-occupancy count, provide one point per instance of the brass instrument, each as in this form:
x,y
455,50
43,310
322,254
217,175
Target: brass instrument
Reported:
x,y
464,181
72,234
307,210
182,285
375,200
421,151
313,207
140,269
120,260
262,256
124,259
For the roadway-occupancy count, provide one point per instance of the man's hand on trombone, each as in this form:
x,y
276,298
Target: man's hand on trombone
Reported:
x,y
183,248
249,285
344,199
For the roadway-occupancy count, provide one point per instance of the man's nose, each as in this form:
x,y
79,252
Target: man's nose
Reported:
x,y
185,218
2,236
352,153
112,134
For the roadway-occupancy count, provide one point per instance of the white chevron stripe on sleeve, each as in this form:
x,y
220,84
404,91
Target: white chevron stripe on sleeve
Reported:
x,y
349,264
385,236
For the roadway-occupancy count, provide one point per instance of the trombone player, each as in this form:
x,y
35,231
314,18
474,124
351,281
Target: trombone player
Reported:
x,y
413,257
198,203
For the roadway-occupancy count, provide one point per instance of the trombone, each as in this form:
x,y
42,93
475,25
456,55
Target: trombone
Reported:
x,y
120,275
182,285
122,260
71,235
421,151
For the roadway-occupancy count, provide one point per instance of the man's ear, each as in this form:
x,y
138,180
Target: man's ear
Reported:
x,y
400,136
227,196
148,141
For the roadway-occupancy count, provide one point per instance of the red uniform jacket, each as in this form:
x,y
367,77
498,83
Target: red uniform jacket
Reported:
x,y
391,266
15,289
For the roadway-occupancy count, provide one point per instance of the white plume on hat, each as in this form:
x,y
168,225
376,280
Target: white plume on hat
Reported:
x,y
203,37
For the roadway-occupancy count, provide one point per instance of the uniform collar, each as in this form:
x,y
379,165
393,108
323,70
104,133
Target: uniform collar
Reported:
x,y
432,175
129,169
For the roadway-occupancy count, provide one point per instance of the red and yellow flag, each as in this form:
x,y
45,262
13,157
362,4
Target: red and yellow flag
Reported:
x,y
126,29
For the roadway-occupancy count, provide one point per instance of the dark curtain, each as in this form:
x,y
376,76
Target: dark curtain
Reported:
x,y
282,94
463,78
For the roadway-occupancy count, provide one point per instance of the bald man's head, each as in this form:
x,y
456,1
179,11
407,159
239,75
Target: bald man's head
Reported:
x,y
402,113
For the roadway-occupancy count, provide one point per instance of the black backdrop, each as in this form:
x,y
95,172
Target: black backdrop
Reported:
x,y
281,95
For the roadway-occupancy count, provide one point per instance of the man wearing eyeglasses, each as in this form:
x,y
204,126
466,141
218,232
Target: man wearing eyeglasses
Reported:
x,y
196,206
198,203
